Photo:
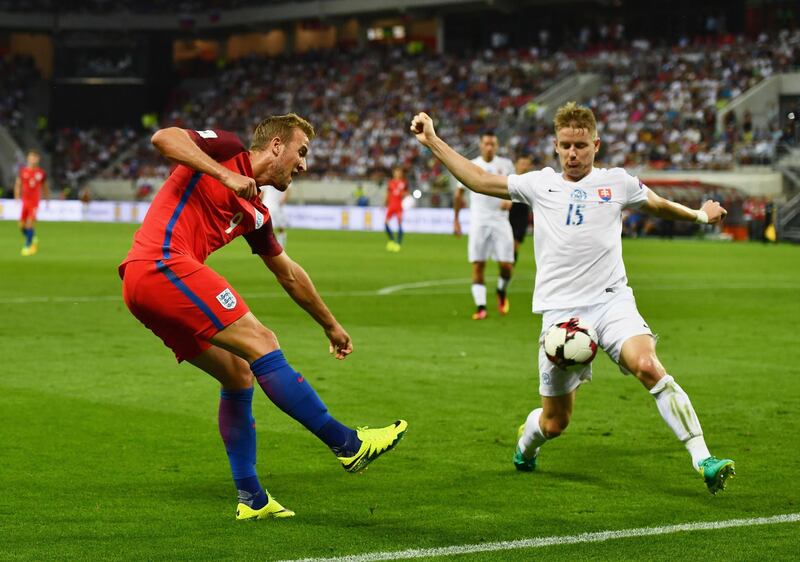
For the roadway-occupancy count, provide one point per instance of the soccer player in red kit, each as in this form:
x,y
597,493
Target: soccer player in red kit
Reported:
x,y
395,192
209,199
31,182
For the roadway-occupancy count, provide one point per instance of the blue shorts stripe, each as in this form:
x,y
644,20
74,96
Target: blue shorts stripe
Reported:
x,y
183,288
177,213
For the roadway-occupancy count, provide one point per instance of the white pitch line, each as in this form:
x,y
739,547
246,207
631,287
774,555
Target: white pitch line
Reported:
x,y
557,540
423,285
393,290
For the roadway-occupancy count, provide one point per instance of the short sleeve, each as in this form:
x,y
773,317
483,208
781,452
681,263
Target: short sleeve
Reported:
x,y
522,188
220,145
635,192
263,242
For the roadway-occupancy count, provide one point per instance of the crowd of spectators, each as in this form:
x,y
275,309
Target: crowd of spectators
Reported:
x,y
360,103
657,107
19,74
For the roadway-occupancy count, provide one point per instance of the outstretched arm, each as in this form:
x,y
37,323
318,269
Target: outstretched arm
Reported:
x,y
176,144
297,283
711,212
466,172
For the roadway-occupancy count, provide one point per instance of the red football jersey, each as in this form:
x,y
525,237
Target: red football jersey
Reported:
x,y
31,180
396,190
193,214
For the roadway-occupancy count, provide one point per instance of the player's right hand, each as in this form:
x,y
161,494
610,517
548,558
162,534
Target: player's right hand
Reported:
x,y
340,343
242,186
422,127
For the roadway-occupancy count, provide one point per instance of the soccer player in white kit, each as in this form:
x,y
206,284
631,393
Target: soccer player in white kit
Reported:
x,y
275,201
580,272
490,234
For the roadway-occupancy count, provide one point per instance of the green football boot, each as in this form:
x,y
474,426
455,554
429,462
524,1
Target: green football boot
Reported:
x,y
716,472
520,462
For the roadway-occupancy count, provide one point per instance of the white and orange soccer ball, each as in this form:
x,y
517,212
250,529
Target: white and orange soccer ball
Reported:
x,y
570,343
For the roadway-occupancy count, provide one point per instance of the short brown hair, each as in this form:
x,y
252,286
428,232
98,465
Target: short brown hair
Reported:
x,y
575,116
280,126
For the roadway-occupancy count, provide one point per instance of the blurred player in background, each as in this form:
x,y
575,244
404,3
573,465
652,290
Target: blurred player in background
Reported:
x,y
275,201
490,234
209,199
519,214
31,183
396,190
580,273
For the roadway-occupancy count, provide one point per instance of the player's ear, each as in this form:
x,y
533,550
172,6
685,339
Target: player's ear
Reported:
x,y
276,146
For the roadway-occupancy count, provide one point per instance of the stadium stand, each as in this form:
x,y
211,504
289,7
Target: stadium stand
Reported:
x,y
657,107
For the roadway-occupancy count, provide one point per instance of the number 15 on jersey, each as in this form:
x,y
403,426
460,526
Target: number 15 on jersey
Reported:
x,y
575,214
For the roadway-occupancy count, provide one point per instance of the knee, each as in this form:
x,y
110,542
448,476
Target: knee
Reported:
x,y
240,376
648,370
267,336
259,336
553,427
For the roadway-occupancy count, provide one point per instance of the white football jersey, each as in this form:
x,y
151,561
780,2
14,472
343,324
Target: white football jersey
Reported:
x,y
271,197
484,208
577,233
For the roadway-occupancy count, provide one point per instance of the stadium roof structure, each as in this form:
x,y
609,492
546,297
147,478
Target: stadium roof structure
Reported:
x,y
129,17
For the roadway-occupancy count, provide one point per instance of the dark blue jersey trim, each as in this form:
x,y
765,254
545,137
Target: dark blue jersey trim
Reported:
x,y
183,288
177,213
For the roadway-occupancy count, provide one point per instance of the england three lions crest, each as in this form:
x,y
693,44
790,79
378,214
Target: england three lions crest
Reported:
x,y
604,193
227,299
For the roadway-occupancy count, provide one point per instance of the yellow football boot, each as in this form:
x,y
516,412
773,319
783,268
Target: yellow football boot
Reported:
x,y
374,442
273,509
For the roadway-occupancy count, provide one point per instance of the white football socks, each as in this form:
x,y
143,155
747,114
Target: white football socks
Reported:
x,y
479,294
502,284
532,436
676,409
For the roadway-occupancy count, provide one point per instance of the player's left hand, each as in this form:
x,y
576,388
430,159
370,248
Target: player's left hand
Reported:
x,y
505,205
714,210
340,343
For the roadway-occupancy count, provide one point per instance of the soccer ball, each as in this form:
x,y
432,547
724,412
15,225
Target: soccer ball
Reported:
x,y
570,343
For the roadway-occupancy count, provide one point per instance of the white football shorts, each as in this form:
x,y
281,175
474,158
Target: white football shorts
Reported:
x,y
491,240
615,321
278,217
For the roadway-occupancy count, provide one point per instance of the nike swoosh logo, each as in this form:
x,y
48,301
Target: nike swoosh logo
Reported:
x,y
553,190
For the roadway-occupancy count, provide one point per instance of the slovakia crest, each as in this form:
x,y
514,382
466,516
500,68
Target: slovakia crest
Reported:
x,y
604,193
578,194
227,299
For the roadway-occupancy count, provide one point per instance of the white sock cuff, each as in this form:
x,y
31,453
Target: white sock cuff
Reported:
x,y
661,384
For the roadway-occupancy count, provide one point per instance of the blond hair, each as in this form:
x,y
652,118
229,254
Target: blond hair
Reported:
x,y
281,126
575,116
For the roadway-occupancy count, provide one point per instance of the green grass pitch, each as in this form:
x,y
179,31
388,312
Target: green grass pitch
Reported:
x,y
110,450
